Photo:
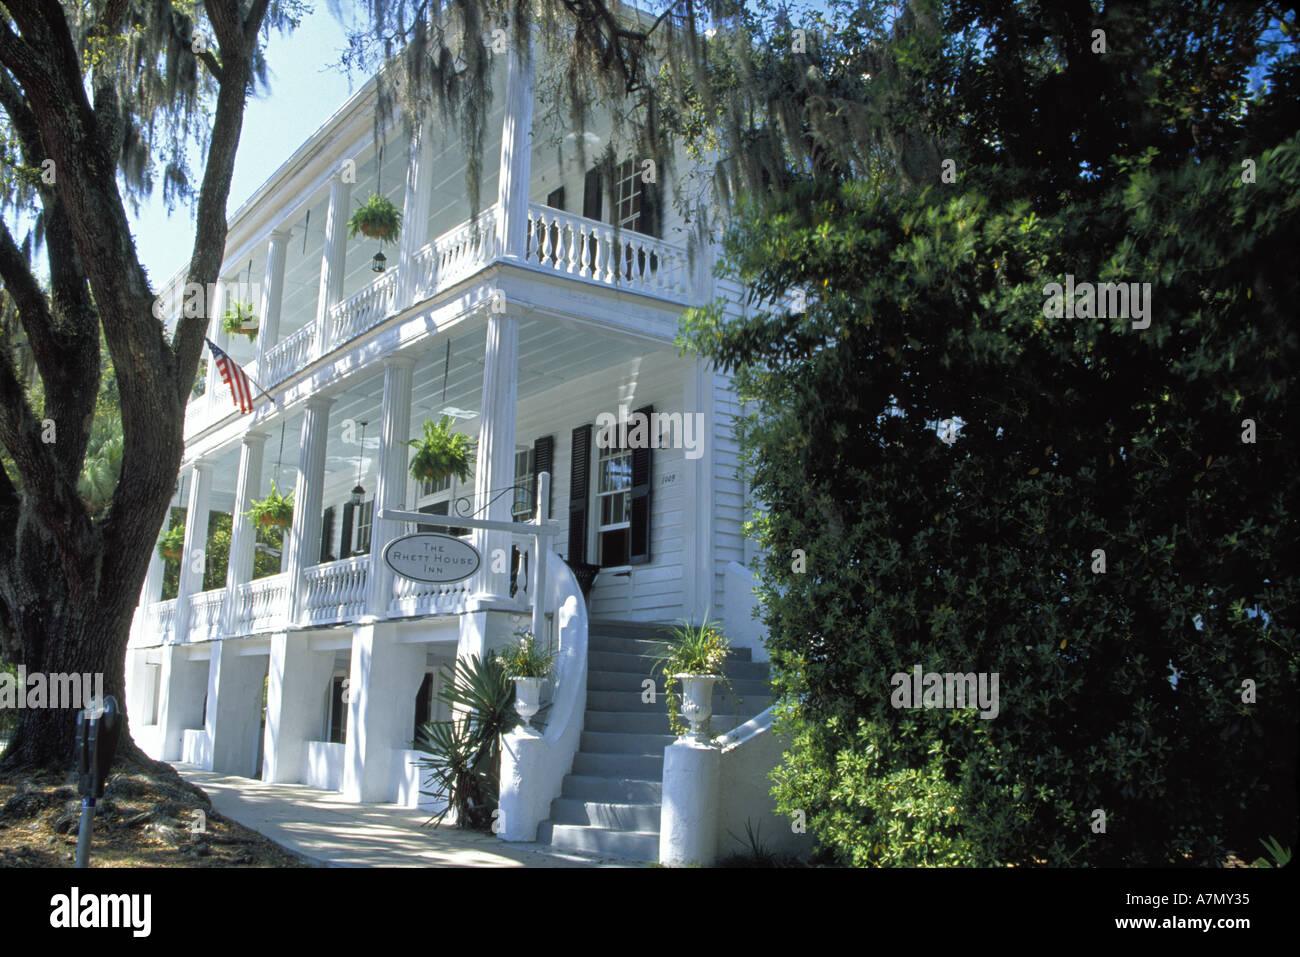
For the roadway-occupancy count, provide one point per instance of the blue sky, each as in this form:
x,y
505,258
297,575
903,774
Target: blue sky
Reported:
x,y
305,89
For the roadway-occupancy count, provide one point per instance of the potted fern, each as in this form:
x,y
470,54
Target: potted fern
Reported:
x,y
377,218
527,664
240,320
696,656
275,509
441,453
172,543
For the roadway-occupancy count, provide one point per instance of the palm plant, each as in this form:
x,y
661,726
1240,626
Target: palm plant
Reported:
x,y
464,754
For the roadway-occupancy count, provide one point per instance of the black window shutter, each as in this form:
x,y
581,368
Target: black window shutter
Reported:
x,y
543,459
579,482
345,540
591,198
642,468
555,199
327,535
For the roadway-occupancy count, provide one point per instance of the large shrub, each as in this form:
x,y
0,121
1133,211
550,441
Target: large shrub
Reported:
x,y
887,547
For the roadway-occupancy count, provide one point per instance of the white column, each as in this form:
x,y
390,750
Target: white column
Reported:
x,y
516,151
415,212
297,684
212,386
333,258
190,578
496,452
268,332
390,487
382,682
234,708
697,504
180,699
243,536
303,547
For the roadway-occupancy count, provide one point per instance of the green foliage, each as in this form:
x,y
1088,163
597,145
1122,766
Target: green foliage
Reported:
x,y
172,543
1122,690
1281,856
441,453
525,658
464,753
240,320
693,650
275,509
377,218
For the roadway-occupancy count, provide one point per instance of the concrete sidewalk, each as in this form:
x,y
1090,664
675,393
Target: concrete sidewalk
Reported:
x,y
322,827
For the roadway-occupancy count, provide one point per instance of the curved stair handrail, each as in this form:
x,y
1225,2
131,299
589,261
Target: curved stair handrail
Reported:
x,y
533,765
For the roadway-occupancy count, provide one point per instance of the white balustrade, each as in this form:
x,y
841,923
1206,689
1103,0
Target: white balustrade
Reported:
x,y
158,620
466,248
205,615
364,309
412,598
336,591
261,605
290,355
577,246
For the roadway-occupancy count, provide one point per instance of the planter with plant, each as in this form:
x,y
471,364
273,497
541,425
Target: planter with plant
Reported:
x,y
696,657
275,509
441,453
463,755
240,320
377,218
172,543
528,664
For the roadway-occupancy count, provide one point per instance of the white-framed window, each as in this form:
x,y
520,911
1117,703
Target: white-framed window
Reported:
x,y
525,502
628,195
363,517
613,506
439,498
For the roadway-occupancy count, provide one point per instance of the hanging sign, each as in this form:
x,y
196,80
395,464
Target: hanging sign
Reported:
x,y
428,557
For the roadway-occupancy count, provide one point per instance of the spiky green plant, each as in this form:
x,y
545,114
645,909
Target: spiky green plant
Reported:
x,y
463,762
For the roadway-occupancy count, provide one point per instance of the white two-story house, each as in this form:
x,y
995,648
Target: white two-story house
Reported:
x,y
548,313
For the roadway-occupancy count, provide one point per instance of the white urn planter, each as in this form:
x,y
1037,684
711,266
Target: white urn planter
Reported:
x,y
528,693
697,702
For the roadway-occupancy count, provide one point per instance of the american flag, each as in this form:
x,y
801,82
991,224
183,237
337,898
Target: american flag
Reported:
x,y
241,387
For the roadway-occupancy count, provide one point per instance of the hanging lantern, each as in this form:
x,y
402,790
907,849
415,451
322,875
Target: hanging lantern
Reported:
x,y
379,263
359,493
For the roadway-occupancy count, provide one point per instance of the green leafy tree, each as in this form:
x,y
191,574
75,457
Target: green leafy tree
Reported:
x,y
942,462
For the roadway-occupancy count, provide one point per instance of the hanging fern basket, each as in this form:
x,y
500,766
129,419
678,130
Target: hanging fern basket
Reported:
x,y
440,453
172,545
377,218
240,320
274,510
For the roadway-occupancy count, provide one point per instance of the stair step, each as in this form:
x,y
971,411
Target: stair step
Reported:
x,y
604,742
606,814
651,630
648,666
653,722
652,648
644,767
631,683
629,702
615,790
633,845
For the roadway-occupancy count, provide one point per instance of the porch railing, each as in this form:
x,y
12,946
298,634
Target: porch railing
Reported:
x,y
336,591
366,308
205,615
576,246
261,605
288,356
454,255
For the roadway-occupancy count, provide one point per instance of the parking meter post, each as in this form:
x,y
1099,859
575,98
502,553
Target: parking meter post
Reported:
x,y
98,730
